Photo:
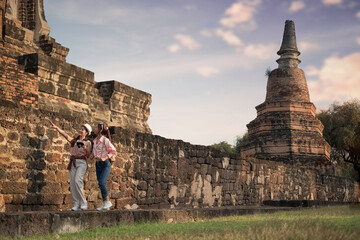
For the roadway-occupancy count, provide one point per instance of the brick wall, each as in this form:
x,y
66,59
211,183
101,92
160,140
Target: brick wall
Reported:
x,y
69,89
128,106
150,171
16,84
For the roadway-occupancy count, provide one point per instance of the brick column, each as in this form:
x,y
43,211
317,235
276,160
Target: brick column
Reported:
x,y
27,14
2,18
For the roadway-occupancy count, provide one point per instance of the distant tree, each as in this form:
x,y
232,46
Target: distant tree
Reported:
x,y
342,131
224,147
228,148
239,140
268,72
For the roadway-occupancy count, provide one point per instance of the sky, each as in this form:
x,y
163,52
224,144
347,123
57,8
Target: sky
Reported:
x,y
204,61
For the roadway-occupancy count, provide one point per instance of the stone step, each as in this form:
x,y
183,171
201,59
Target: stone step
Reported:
x,y
42,222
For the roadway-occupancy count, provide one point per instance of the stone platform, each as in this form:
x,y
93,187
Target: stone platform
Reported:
x,y
43,222
47,222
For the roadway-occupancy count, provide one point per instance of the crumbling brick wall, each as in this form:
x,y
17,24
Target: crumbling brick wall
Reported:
x,y
66,88
150,171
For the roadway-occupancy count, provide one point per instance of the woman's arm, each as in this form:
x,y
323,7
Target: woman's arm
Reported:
x,y
63,133
110,148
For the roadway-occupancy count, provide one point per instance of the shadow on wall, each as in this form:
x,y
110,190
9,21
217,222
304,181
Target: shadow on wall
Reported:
x,y
35,163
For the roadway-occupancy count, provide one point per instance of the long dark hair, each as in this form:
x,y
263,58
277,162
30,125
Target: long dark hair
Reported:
x,y
104,130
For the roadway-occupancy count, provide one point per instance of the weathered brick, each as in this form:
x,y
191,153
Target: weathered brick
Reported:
x,y
143,185
13,136
3,174
53,157
18,198
4,149
2,204
21,153
15,175
32,199
121,203
52,198
50,176
5,162
158,190
51,188
14,187
39,130
172,168
62,176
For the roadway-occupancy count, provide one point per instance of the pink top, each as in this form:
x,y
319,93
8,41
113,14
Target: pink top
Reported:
x,y
103,148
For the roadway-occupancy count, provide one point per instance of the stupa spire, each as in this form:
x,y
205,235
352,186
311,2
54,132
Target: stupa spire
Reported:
x,y
286,128
288,51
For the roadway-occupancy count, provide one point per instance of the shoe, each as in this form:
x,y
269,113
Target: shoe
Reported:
x,y
106,206
101,207
83,206
76,208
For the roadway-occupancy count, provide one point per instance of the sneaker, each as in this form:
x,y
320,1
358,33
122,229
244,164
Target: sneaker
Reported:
x,y
76,208
83,206
101,208
107,205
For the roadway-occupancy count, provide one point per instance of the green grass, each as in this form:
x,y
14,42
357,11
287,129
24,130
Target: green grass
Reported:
x,y
340,222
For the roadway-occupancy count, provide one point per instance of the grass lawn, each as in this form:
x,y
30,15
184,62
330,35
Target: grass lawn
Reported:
x,y
339,222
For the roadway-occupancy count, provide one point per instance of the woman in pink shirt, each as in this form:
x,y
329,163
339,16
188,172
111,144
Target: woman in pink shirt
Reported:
x,y
103,151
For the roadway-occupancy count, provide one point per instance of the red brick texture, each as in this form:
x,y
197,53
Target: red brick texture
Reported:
x,y
16,85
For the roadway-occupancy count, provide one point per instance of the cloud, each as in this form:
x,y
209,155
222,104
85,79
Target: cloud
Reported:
x,y
307,46
229,37
207,71
337,80
261,51
332,2
312,71
174,48
358,14
187,42
206,33
163,69
239,13
296,6
358,40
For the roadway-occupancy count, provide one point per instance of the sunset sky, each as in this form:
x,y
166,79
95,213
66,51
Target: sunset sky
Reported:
x,y
204,61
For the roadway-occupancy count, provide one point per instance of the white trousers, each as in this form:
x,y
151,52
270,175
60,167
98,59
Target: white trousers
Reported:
x,y
76,182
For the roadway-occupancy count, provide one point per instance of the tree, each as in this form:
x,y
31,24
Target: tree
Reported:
x,y
228,148
342,131
239,140
224,147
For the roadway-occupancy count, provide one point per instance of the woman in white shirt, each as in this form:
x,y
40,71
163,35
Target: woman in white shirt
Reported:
x,y
81,150
103,151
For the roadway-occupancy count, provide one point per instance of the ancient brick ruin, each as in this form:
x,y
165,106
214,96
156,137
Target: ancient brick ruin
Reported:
x,y
26,41
286,128
150,171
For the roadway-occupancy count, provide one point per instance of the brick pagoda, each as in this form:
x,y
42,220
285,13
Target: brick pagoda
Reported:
x,y
286,127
